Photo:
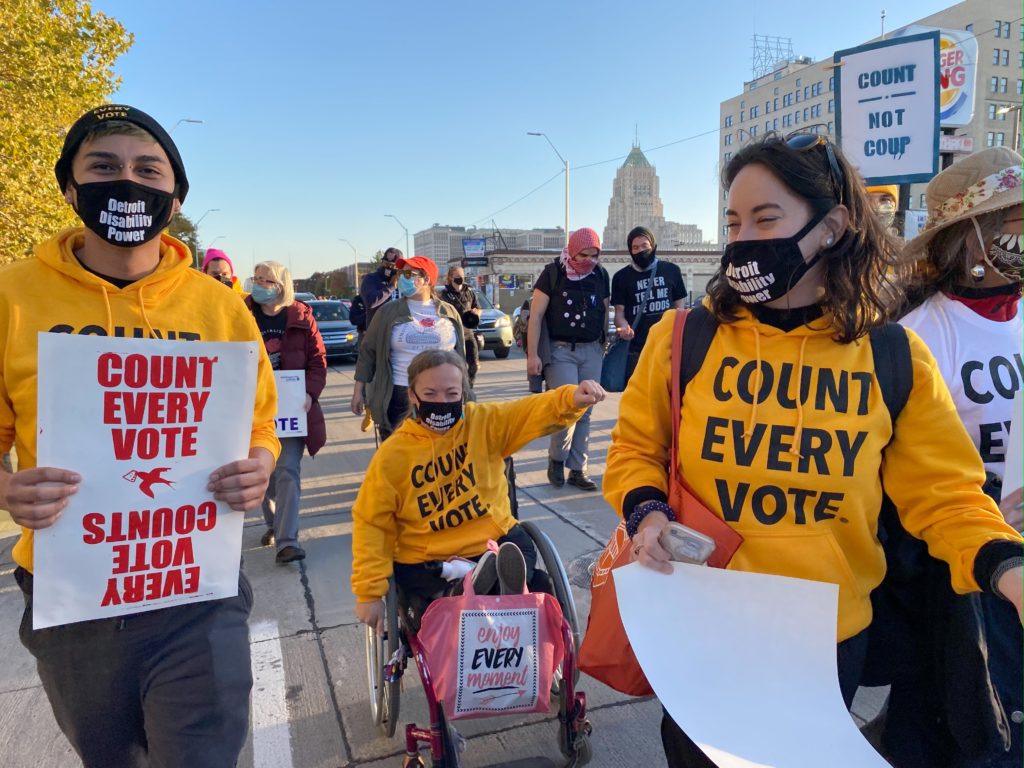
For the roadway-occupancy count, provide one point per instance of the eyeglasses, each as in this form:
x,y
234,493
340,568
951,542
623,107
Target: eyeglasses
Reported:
x,y
802,142
264,280
413,274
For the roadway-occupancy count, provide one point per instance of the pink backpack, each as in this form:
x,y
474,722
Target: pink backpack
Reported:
x,y
492,655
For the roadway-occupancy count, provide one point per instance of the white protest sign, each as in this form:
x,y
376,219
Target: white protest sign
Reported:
x,y
750,672
291,403
145,424
1013,474
887,117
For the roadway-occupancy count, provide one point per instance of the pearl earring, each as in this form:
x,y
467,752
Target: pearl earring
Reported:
x,y
978,273
828,243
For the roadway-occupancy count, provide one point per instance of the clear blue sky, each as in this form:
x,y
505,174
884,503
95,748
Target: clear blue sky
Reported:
x,y
321,117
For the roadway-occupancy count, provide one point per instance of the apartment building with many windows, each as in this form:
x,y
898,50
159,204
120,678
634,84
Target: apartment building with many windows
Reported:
x,y
799,94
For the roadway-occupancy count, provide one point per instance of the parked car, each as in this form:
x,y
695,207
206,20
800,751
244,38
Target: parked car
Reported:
x,y
495,328
341,339
305,297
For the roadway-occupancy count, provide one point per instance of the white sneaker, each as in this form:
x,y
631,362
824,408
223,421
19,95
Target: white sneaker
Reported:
x,y
485,575
511,568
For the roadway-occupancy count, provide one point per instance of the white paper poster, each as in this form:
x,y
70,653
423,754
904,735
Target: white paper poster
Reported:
x,y
1013,473
144,422
745,663
291,403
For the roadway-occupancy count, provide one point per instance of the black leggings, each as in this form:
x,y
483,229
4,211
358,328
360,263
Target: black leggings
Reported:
x,y
682,752
398,407
419,584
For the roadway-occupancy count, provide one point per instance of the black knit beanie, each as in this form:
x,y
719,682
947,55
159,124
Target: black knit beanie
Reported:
x,y
126,114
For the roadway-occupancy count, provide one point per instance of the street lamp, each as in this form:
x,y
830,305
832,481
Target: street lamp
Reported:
x,y
566,163
392,216
355,262
218,237
196,225
185,120
1016,122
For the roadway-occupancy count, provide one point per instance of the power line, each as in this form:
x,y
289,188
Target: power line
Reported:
x,y
516,202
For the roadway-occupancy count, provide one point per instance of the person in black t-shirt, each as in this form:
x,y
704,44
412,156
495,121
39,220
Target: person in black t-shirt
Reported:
x,y
458,293
643,291
565,342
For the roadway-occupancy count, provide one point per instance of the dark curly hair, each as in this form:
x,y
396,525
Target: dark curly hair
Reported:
x,y
859,268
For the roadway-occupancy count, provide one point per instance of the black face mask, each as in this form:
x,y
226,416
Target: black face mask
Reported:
x,y
389,269
458,281
123,213
226,280
644,258
439,417
766,270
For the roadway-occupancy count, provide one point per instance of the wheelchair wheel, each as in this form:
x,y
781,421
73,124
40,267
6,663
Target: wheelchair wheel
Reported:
x,y
385,696
559,581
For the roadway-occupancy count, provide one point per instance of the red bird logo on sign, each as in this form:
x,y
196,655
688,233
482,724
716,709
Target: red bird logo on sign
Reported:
x,y
149,479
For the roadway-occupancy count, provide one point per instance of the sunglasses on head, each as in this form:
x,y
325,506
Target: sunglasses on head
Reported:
x,y
802,142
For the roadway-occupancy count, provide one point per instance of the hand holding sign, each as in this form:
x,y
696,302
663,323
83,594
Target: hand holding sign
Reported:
x,y
36,497
242,484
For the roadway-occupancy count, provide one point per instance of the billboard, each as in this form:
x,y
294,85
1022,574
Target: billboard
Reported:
x,y
958,57
475,252
887,116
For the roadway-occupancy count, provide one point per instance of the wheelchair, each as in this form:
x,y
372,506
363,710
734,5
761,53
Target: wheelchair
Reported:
x,y
387,658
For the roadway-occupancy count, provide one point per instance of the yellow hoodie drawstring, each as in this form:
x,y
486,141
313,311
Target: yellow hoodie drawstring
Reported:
x,y
110,313
795,449
145,317
757,385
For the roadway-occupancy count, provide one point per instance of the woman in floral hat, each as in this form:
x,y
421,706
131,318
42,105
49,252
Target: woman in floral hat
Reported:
x,y
960,702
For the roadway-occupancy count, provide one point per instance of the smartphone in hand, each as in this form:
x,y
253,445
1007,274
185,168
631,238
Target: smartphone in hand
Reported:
x,y
685,544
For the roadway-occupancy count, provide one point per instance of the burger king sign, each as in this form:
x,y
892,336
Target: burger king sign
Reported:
x,y
958,52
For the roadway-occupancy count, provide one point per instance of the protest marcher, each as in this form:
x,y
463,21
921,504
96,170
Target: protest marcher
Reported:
x,y
565,342
643,291
799,470
218,266
293,343
458,293
449,443
166,687
377,288
954,662
399,331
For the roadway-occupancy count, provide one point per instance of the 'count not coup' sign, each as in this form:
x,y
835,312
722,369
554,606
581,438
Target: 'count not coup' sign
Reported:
x,y
887,118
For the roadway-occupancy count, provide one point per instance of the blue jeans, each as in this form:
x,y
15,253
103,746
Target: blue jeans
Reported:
x,y
281,502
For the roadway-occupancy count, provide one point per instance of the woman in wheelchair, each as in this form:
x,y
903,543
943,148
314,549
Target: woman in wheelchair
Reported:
x,y
436,490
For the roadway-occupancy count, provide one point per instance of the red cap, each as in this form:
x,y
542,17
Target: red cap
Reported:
x,y
420,262
582,239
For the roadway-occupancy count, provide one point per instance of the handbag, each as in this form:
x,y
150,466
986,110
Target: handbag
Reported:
x,y
613,366
606,654
492,655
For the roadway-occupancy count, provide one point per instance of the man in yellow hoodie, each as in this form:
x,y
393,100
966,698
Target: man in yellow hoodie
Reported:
x,y
171,686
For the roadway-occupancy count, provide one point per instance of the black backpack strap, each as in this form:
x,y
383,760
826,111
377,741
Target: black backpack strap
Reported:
x,y
700,329
894,370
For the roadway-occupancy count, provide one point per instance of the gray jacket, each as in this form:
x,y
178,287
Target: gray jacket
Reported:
x,y
373,367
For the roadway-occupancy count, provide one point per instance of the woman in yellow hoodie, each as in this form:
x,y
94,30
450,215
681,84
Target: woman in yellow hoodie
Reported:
x,y
798,469
436,489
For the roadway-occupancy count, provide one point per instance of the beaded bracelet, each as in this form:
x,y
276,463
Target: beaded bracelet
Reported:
x,y
642,510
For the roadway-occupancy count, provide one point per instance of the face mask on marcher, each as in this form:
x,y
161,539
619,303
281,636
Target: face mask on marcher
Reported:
x,y
438,417
766,270
644,258
406,287
263,295
123,213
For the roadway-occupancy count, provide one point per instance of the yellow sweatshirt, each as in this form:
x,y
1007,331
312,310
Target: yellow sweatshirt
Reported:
x,y
54,293
801,477
430,496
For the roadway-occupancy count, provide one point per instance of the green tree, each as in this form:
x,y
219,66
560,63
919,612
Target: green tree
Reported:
x,y
56,62
184,229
